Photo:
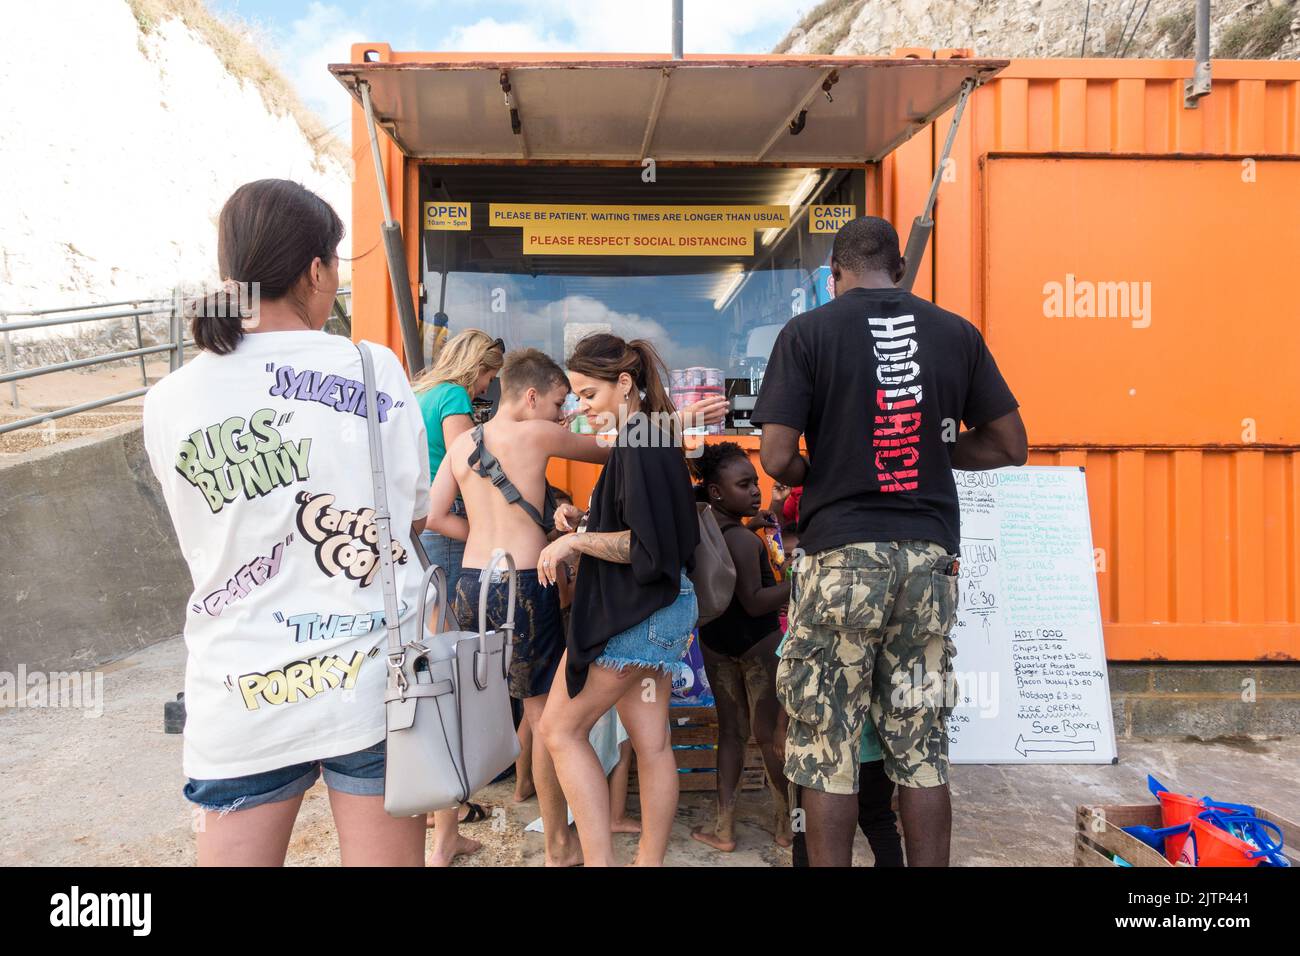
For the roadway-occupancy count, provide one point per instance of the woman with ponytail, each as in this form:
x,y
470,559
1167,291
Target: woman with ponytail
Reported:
x,y
466,366
633,605
260,446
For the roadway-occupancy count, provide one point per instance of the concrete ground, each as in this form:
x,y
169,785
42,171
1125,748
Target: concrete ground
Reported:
x,y
78,790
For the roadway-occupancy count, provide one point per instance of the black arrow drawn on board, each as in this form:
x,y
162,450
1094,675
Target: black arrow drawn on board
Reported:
x,y
1051,746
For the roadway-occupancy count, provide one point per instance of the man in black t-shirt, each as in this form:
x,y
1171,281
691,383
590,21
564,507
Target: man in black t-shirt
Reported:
x,y
877,381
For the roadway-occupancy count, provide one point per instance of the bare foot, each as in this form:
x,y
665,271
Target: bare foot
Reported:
x,y
524,791
464,847
709,838
782,835
571,855
624,825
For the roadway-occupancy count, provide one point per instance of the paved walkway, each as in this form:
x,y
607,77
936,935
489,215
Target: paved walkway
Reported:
x,y
106,790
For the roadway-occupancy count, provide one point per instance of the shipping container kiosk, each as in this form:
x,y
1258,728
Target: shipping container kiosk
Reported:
x,y
1073,172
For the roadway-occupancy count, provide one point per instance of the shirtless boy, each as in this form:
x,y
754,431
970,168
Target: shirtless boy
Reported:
x,y
522,437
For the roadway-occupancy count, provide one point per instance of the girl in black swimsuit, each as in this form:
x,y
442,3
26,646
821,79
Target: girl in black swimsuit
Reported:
x,y
739,647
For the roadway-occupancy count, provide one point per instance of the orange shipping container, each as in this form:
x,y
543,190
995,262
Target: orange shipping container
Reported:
x,y
1186,412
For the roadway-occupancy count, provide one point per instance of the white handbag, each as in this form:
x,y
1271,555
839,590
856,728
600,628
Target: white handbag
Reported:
x,y
450,725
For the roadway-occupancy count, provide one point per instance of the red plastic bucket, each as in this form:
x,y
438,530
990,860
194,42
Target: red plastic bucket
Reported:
x,y
1207,845
1177,809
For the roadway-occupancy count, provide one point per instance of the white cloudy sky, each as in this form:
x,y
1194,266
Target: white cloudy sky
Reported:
x,y
308,35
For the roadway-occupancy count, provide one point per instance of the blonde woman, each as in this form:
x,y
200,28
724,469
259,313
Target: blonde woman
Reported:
x,y
465,368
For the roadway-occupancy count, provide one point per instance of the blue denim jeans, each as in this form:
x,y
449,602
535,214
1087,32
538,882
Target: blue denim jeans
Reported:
x,y
447,553
660,640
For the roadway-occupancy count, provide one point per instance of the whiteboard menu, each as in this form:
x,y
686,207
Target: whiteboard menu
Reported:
x,y
1031,683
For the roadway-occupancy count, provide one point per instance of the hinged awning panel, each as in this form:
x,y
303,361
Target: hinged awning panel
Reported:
x,y
730,110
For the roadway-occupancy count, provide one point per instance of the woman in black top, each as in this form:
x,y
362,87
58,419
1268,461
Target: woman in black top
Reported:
x,y
739,647
633,605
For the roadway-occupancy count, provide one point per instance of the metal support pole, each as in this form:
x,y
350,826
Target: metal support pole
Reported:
x,y
394,249
923,224
178,316
1199,84
677,29
173,336
9,361
139,343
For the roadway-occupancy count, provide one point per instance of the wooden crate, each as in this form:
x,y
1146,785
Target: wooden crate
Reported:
x,y
695,741
1099,831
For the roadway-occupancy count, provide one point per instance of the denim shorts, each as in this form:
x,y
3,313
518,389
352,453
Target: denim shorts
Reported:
x,y
660,640
360,773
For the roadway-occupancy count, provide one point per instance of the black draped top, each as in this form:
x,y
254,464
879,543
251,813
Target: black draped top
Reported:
x,y
647,490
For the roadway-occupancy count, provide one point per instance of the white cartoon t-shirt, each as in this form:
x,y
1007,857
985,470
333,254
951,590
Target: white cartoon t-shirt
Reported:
x,y
263,459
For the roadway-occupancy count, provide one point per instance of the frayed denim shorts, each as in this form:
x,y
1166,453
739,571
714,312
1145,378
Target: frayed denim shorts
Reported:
x,y
360,772
660,640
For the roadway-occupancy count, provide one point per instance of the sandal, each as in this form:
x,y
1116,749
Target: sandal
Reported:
x,y
475,815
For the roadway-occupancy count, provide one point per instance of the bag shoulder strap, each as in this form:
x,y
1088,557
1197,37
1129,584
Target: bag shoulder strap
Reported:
x,y
383,520
727,523
485,464
713,541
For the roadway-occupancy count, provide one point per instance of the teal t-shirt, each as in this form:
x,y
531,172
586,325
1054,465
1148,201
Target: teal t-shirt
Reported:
x,y
445,398
869,750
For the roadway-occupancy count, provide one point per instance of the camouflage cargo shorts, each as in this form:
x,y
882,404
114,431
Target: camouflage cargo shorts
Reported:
x,y
868,639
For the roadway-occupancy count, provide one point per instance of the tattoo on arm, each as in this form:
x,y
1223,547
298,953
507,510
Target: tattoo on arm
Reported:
x,y
613,546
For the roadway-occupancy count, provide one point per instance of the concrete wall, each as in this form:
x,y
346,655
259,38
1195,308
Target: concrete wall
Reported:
x,y
90,569
1205,701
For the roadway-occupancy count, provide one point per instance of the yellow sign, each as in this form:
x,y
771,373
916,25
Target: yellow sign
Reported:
x,y
823,219
446,215
572,230
542,242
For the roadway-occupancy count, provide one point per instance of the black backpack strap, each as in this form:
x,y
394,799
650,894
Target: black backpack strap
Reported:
x,y
484,463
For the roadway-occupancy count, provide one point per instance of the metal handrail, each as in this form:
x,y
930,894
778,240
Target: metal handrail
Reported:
x,y
51,323
82,308
176,345
44,417
83,363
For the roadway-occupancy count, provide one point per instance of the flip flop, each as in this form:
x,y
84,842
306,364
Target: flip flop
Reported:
x,y
476,813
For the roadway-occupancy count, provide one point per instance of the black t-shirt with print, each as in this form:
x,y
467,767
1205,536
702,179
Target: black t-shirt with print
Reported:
x,y
877,380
